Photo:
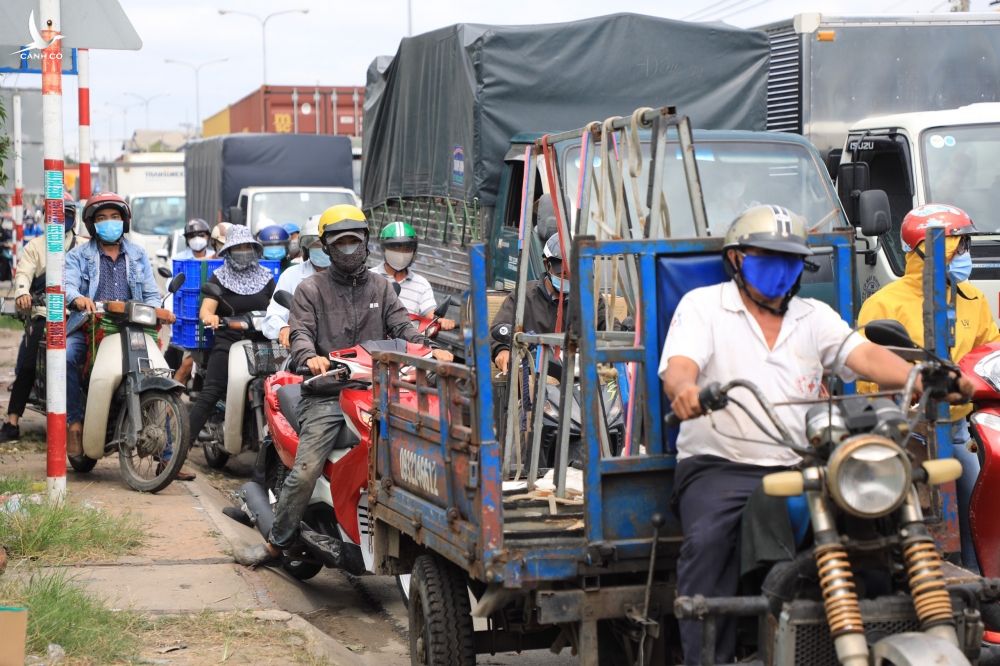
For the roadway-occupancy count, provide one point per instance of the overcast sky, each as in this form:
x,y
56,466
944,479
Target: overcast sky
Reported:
x,y
334,44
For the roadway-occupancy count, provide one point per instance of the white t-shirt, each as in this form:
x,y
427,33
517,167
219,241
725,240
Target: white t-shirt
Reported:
x,y
415,292
713,328
289,280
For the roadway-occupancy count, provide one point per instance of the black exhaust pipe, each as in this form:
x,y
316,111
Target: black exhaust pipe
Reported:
x,y
257,505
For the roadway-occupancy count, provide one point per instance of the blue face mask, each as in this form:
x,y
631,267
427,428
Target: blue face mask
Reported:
x,y
960,267
319,257
773,275
559,284
110,231
274,252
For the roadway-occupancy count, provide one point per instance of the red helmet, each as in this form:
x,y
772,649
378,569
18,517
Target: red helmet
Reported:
x,y
105,200
956,222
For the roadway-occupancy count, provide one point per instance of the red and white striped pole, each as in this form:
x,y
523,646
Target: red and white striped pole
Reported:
x,y
18,201
83,80
55,295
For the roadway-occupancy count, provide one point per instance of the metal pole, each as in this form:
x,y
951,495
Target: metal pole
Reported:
x,y
83,81
409,18
316,107
263,52
18,200
333,109
55,301
197,100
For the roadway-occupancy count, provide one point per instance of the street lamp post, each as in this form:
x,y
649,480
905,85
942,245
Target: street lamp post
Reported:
x,y
263,33
123,109
145,102
197,84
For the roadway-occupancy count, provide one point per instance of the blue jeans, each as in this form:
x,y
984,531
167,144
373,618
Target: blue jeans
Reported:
x,y
76,357
964,485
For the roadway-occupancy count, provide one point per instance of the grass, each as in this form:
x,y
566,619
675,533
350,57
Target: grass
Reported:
x,y
61,612
10,485
11,324
58,533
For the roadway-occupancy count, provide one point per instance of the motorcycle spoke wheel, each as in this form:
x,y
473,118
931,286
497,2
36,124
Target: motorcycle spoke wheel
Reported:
x,y
151,463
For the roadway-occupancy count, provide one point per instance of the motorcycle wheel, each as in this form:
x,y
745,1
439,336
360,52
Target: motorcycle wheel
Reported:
x,y
301,569
82,465
164,424
440,617
215,455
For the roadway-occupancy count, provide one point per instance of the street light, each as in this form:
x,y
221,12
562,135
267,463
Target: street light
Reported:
x,y
123,109
197,83
263,32
145,102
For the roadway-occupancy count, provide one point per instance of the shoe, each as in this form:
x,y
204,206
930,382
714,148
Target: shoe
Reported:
x,y
182,475
257,555
9,433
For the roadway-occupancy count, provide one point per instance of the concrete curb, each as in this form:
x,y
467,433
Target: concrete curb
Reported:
x,y
324,647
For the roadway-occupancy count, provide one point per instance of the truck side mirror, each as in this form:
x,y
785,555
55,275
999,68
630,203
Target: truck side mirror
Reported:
x,y
874,214
833,161
852,180
236,215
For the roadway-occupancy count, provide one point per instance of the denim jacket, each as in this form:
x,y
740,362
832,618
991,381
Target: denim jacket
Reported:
x,y
83,274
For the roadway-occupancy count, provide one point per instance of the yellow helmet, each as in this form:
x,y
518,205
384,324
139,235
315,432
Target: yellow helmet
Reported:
x,y
343,218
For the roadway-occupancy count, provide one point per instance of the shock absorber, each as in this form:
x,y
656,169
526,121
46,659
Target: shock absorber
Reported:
x,y
923,568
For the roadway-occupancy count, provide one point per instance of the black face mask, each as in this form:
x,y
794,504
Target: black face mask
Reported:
x,y
348,263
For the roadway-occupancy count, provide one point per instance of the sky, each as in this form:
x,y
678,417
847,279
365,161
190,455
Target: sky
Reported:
x,y
333,45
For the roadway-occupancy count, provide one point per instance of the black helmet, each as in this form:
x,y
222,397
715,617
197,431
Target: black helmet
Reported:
x,y
196,226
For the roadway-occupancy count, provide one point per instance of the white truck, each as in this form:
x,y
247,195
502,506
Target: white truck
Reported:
x,y
258,207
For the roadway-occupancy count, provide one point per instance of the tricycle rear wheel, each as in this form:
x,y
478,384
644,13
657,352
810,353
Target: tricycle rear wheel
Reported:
x,y
440,617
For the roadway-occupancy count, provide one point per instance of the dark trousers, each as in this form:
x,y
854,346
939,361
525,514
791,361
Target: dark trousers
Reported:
x,y
213,390
28,364
710,496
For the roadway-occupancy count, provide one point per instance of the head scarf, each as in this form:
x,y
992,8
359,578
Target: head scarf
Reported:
x,y
243,282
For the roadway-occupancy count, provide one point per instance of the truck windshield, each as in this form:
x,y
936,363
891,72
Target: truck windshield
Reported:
x,y
961,168
280,207
735,175
157,215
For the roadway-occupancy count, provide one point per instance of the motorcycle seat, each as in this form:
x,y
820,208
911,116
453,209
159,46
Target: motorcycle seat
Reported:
x,y
289,396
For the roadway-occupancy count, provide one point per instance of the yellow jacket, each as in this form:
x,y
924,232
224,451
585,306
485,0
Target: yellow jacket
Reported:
x,y
903,300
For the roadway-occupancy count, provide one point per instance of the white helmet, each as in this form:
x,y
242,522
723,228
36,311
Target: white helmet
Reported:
x,y
310,232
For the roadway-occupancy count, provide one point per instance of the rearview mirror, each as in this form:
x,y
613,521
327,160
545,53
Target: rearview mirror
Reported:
x,y
283,298
442,309
852,180
164,272
236,215
212,290
396,288
874,213
176,283
889,333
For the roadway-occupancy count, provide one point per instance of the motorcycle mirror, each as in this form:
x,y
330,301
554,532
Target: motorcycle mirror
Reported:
x,y
283,298
213,290
396,288
442,309
164,272
501,333
889,333
176,283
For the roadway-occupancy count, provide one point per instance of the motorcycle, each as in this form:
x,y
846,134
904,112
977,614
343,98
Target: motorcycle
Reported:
x,y
36,399
872,578
335,530
133,404
233,427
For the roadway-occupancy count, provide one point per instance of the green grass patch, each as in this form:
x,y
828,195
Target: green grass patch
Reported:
x,y
11,324
68,532
61,612
10,485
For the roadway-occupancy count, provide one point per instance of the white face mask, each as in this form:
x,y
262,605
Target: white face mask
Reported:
x,y
399,261
198,243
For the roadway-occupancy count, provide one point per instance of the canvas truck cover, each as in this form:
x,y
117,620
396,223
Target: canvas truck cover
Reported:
x,y
439,119
216,169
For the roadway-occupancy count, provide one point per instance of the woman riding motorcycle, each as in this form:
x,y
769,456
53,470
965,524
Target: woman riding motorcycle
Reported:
x,y
246,286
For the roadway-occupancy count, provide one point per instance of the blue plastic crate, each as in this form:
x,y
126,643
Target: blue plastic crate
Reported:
x,y
192,269
191,334
187,304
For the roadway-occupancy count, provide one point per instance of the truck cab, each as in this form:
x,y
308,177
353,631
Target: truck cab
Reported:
x,y
155,218
259,207
947,157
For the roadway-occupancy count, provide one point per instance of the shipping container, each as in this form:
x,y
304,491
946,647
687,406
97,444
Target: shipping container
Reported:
x,y
293,110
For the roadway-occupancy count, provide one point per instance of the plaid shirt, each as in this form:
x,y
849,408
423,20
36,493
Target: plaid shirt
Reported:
x,y
112,284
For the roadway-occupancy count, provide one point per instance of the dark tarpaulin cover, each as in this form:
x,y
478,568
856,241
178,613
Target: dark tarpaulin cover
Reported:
x,y
445,109
217,168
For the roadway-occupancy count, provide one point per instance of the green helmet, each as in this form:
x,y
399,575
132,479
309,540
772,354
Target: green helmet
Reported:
x,y
398,233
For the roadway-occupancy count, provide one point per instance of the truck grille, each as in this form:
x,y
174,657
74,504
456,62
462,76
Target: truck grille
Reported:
x,y
784,97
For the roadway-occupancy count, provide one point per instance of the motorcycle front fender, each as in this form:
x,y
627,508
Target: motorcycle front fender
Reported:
x,y
915,649
105,377
236,397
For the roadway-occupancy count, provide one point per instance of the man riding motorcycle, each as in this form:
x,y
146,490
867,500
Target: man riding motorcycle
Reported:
x,y
314,260
196,237
107,268
753,326
340,307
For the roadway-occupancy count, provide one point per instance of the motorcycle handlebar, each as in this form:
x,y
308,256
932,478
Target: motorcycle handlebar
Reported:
x,y
711,398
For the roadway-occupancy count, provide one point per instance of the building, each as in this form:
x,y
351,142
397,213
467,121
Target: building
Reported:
x,y
292,109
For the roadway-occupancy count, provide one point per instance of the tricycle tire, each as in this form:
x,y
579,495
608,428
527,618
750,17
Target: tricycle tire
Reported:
x,y
148,450
81,464
440,618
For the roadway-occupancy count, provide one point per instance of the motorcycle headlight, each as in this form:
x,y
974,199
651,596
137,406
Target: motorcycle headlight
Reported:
x,y
142,314
869,476
988,368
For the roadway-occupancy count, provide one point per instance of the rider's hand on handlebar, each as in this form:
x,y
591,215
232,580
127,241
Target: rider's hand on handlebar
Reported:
x,y
84,304
443,355
965,390
686,404
284,337
502,361
211,321
446,324
23,302
318,364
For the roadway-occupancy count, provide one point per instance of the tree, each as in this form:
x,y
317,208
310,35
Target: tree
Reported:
x,y
5,147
